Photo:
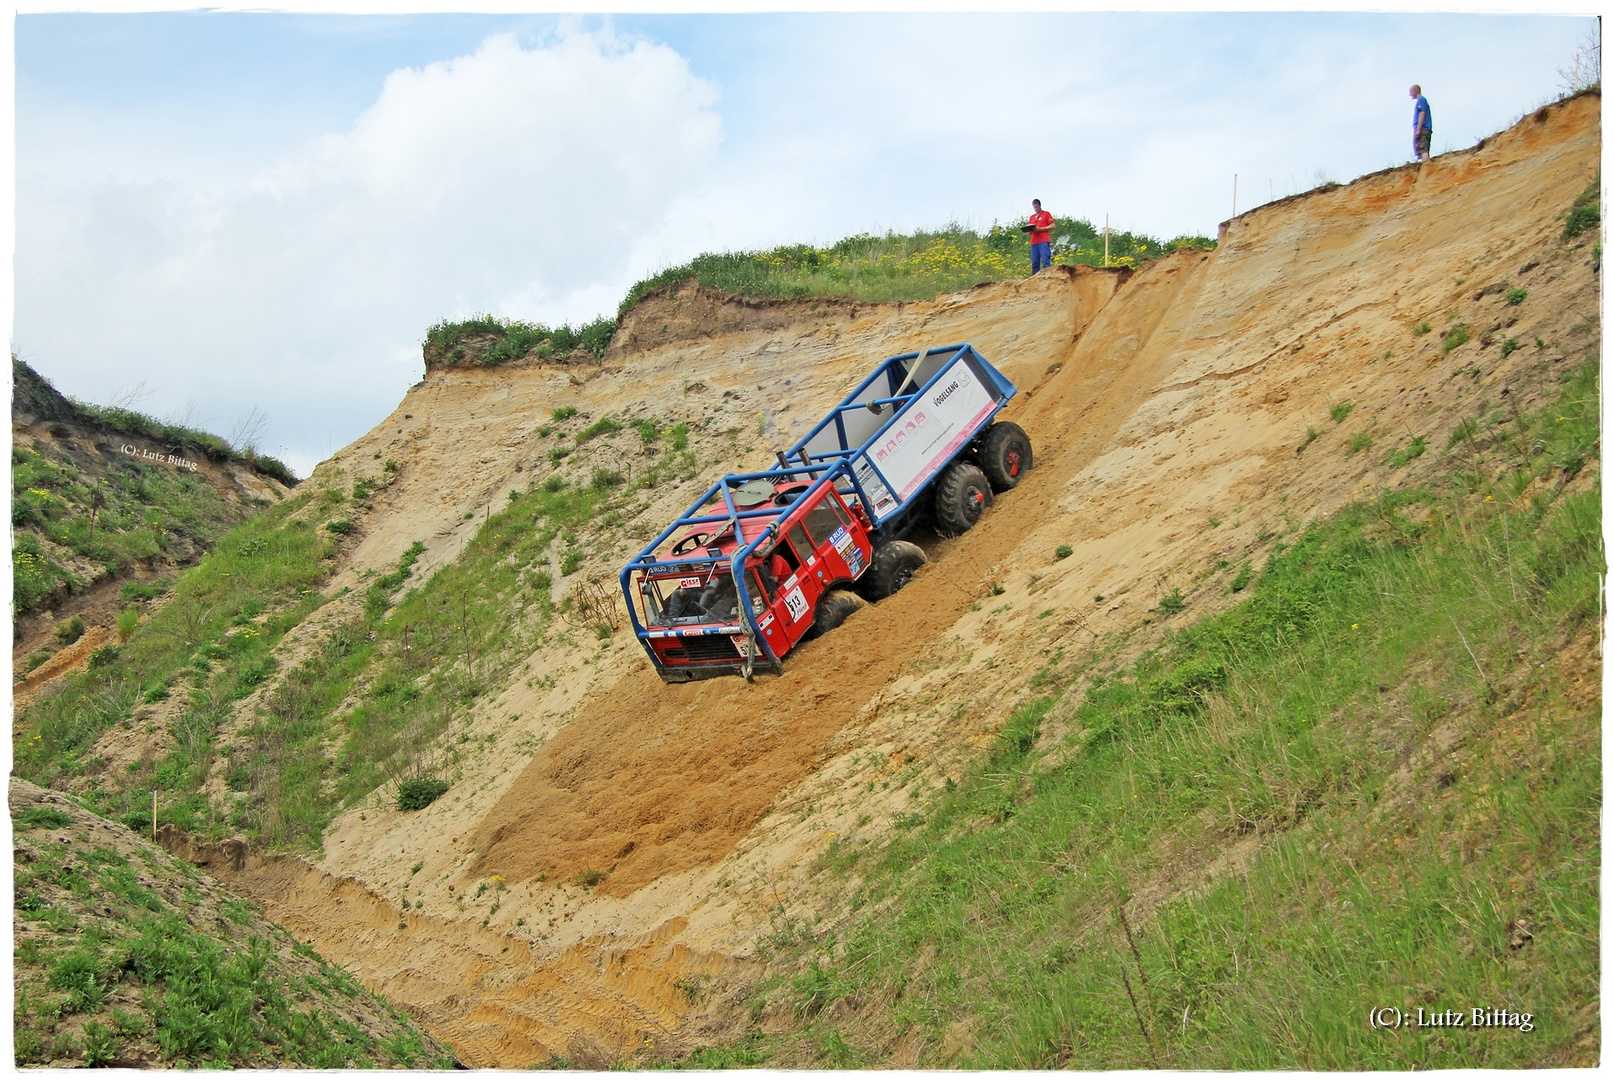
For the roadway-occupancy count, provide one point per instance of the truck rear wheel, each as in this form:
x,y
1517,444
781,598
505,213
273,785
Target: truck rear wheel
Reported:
x,y
1005,455
962,496
891,568
834,608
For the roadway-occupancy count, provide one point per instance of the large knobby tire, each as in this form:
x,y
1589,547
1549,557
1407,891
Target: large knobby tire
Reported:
x,y
834,608
891,568
962,496
1005,455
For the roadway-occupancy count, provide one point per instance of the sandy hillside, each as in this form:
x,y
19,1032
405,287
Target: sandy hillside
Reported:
x,y
1181,418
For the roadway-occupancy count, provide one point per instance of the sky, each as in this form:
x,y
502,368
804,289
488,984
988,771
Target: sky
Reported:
x,y
225,215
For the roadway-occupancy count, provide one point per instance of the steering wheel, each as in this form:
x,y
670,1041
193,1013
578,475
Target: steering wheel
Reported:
x,y
691,542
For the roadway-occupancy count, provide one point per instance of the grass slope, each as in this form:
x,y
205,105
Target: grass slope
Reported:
x,y
376,701
126,957
1375,782
103,511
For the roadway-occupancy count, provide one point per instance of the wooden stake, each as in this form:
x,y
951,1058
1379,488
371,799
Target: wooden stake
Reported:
x,y
1106,239
153,817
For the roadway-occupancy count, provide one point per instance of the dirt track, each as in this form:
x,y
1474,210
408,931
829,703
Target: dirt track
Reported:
x,y
1172,444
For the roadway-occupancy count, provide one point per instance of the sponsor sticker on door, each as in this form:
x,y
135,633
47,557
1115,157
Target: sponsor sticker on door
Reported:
x,y
796,603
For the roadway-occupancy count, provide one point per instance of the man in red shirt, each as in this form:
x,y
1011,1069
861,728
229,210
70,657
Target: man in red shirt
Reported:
x,y
1040,226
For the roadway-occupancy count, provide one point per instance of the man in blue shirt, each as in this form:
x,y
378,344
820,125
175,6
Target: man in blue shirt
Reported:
x,y
1423,128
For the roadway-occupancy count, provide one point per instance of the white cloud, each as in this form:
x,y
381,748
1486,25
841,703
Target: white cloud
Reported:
x,y
509,176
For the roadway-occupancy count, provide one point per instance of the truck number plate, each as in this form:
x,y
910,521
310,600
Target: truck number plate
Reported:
x,y
797,604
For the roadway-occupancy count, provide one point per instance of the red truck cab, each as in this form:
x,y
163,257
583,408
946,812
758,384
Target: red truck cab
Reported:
x,y
795,542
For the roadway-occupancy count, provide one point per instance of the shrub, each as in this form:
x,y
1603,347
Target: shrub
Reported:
x,y
39,817
341,526
1359,442
104,657
79,974
572,561
1170,605
1422,328
70,631
135,590
554,483
605,478
564,413
128,619
1584,212
420,792
588,878
1063,551
603,426
37,658
1407,453
1516,296
1339,412
1454,337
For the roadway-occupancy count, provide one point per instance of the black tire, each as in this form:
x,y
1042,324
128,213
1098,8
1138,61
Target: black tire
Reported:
x,y
834,608
1005,455
962,496
892,567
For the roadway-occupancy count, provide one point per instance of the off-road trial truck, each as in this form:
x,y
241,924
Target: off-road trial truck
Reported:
x,y
764,560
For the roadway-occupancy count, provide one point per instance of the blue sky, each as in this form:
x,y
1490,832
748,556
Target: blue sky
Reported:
x,y
251,211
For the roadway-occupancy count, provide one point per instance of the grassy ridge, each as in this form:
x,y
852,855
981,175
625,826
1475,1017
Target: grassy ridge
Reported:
x,y
1385,746
915,266
912,266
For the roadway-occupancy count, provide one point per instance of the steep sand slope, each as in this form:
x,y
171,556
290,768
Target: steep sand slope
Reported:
x,y
1171,426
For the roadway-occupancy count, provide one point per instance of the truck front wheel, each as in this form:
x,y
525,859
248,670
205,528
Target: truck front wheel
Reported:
x,y
834,608
1005,455
891,568
962,496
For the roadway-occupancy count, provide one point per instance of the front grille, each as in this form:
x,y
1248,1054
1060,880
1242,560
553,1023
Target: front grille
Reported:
x,y
711,647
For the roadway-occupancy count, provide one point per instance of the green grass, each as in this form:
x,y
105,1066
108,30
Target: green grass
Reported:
x,y
212,643
913,266
98,951
1586,211
410,664
1385,732
487,340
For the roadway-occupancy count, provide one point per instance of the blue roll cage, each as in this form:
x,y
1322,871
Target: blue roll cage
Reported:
x,y
830,466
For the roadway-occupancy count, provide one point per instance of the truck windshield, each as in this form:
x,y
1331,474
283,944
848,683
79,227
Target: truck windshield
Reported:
x,y
691,598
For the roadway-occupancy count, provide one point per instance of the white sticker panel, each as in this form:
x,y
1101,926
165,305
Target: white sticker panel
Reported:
x,y
796,603
929,430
